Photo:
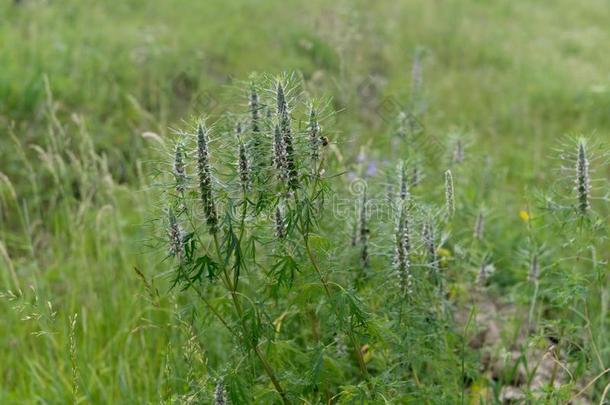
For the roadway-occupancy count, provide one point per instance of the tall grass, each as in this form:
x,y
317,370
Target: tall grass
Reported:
x,y
273,253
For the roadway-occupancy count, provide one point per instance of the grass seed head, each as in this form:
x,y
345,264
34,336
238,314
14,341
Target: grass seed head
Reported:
x,y
449,194
73,357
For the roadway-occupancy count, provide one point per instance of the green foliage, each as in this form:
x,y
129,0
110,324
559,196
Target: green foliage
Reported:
x,y
508,296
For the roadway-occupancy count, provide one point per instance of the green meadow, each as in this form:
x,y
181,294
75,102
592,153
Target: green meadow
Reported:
x,y
440,236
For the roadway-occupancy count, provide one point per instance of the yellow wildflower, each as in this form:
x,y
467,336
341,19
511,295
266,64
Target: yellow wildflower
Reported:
x,y
524,215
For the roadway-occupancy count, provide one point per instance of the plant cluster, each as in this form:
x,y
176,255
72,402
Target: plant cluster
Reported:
x,y
323,303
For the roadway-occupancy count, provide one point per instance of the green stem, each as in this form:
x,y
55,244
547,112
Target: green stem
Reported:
x,y
350,333
240,314
315,266
305,234
241,233
530,315
215,312
358,352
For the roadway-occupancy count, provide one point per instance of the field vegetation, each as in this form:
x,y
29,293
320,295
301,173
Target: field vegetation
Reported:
x,y
280,202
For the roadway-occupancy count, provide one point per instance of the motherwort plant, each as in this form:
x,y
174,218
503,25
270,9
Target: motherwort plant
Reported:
x,y
256,251
255,186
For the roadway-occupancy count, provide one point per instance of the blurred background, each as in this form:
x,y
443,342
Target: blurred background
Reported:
x,y
81,81
504,67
